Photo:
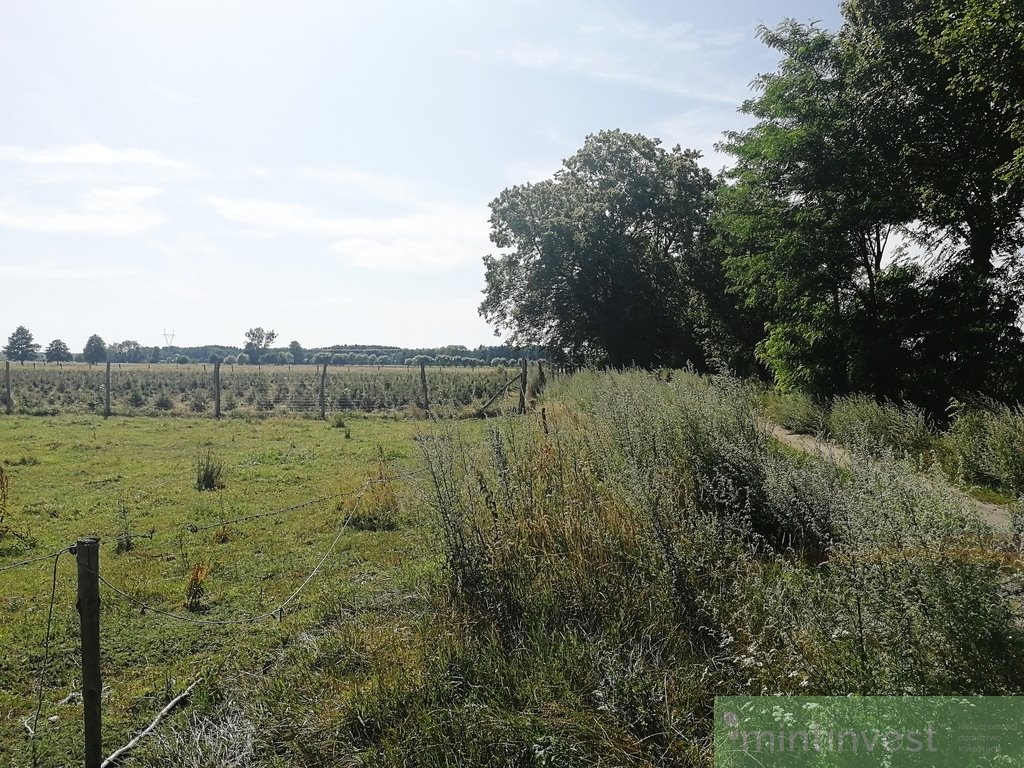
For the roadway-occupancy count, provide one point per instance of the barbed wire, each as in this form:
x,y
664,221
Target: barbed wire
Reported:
x,y
193,528
276,612
31,561
46,660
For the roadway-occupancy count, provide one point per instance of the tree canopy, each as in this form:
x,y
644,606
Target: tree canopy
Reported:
x,y
21,347
57,352
95,350
598,260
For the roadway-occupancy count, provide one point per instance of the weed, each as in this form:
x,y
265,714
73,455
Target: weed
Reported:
x,y
209,473
195,590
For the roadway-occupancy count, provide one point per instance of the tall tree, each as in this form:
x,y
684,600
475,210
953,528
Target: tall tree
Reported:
x,y
955,141
257,341
57,352
815,196
598,258
21,346
297,352
95,350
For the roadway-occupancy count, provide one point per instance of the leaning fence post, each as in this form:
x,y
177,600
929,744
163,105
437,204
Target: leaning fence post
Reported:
x,y
216,390
423,382
106,400
87,554
522,385
323,394
9,407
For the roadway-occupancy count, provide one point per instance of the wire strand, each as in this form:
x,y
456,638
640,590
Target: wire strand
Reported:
x,y
275,612
46,660
39,559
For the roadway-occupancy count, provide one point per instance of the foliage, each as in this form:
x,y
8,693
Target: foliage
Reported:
x,y
21,346
796,411
95,350
599,260
209,473
257,341
988,445
57,352
881,429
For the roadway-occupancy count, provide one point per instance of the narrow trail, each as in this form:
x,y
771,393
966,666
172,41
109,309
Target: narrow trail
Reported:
x,y
994,515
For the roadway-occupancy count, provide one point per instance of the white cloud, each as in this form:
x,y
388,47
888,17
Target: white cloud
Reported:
x,y
701,128
677,59
49,272
111,211
95,163
438,237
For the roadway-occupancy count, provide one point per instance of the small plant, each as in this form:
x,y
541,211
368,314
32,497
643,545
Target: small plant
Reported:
x,y
860,422
195,591
163,402
209,473
338,420
125,541
348,433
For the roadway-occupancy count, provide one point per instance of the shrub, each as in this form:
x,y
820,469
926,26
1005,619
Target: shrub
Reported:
x,y
861,423
987,442
209,473
795,411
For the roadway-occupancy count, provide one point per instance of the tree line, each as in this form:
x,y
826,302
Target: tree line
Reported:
x,y
867,236
258,349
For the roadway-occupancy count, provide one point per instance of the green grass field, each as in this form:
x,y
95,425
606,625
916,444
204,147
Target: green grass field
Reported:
x,y
81,476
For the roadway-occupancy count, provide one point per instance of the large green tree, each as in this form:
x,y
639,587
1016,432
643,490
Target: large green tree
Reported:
x,y
95,350
599,260
258,341
21,346
835,174
57,352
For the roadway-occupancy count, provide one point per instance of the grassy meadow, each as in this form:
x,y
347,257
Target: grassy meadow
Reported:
x,y
569,588
79,476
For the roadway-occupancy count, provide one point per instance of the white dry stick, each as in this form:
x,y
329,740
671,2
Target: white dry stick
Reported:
x,y
112,760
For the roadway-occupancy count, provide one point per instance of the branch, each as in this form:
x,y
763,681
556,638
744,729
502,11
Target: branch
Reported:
x,y
500,392
112,760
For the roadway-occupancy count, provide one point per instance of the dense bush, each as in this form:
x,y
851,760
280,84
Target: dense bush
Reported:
x,y
796,411
860,422
987,441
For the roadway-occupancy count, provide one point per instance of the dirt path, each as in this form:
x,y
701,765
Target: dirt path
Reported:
x,y
994,515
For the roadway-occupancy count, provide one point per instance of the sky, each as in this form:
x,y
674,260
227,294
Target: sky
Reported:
x,y
320,167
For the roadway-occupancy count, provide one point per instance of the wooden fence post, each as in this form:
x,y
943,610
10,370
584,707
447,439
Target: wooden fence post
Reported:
x,y
106,396
423,382
216,390
323,394
87,554
522,385
7,384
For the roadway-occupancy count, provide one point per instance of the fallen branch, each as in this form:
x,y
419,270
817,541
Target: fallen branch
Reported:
x,y
112,760
500,392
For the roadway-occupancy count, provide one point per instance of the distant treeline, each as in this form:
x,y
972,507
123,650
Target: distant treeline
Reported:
x,y
21,347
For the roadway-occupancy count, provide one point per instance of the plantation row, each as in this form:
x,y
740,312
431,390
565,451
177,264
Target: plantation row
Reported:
x,y
245,391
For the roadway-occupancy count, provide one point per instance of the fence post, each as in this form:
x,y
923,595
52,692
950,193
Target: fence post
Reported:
x,y
323,397
7,384
216,390
522,385
106,402
423,382
87,555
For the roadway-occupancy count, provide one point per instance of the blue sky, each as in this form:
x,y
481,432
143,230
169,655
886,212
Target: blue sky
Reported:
x,y
319,167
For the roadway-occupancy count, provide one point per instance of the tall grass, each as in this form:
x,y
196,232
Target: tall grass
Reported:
x,y
862,423
987,441
654,548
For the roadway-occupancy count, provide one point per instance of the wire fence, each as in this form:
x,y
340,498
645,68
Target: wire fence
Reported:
x,y
163,389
